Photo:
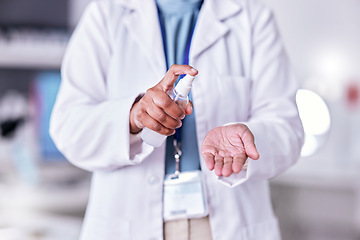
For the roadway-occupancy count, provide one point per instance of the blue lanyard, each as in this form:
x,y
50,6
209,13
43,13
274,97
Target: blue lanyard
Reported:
x,y
186,62
177,137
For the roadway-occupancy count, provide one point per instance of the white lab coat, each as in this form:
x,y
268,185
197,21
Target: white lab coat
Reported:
x,y
115,54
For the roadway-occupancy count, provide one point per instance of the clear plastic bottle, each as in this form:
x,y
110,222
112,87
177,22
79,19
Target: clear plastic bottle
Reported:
x,y
180,96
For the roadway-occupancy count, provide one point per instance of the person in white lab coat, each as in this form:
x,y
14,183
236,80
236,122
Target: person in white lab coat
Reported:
x,y
244,88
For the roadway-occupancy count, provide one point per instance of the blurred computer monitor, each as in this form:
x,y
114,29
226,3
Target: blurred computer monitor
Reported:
x,y
44,90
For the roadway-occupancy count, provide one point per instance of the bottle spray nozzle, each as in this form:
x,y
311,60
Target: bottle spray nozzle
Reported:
x,y
184,86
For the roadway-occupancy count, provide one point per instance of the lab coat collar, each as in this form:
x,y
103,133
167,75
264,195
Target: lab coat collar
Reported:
x,y
126,3
224,9
210,26
143,25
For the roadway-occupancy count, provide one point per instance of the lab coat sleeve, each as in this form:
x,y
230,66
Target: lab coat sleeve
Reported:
x,y
91,130
274,119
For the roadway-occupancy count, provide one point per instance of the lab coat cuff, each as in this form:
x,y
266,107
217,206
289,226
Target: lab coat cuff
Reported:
x,y
231,123
234,179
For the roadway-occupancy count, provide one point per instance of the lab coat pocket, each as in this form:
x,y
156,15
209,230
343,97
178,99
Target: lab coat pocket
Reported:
x,y
96,228
234,94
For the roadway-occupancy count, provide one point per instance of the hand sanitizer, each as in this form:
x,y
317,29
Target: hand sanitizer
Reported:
x,y
180,96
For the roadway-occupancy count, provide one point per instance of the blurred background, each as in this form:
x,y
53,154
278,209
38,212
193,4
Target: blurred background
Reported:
x,y
43,197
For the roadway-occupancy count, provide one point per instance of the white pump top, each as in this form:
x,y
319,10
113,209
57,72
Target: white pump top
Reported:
x,y
184,85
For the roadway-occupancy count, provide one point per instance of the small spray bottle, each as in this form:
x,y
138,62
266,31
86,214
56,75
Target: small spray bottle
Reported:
x,y
180,96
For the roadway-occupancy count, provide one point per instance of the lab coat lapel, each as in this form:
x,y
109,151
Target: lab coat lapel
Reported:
x,y
210,28
143,25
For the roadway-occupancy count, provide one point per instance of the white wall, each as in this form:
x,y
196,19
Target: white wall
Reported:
x,y
322,39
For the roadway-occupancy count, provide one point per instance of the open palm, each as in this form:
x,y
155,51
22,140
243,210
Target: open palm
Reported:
x,y
227,148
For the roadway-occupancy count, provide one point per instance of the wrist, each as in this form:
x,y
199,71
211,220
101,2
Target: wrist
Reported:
x,y
134,128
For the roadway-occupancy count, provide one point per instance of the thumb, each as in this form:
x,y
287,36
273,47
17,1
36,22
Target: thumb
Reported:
x,y
249,145
173,73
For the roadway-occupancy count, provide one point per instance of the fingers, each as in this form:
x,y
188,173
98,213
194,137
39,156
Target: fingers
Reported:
x,y
173,73
161,100
161,123
219,163
164,119
216,162
208,152
222,164
158,112
238,163
209,160
225,166
143,119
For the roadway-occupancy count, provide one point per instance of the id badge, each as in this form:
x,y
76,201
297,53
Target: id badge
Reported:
x,y
184,196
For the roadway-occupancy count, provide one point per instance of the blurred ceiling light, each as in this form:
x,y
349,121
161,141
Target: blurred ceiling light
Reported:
x,y
315,118
331,63
331,66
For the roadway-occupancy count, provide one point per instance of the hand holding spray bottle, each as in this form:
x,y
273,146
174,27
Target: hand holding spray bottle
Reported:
x,y
179,95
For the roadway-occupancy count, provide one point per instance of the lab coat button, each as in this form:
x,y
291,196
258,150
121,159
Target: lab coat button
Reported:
x,y
152,180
